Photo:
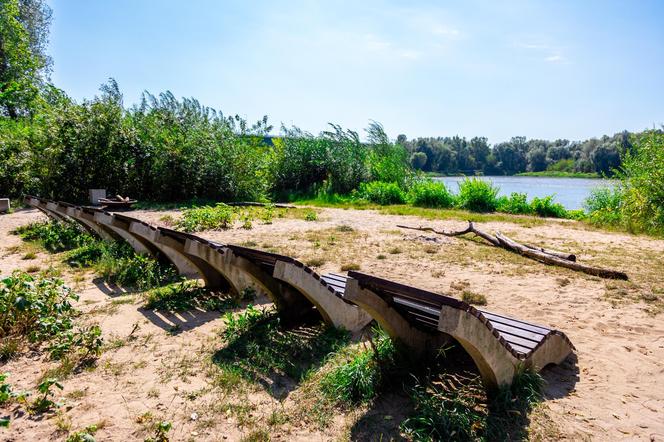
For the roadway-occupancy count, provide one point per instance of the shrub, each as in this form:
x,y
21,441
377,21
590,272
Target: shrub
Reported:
x,y
39,310
477,195
382,193
361,378
516,203
428,193
604,206
135,271
473,298
547,208
643,183
55,236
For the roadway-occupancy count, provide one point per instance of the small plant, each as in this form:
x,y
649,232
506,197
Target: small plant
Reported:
x,y
381,256
44,402
473,298
395,251
161,430
315,262
477,195
248,294
85,435
29,255
382,193
310,216
345,228
350,266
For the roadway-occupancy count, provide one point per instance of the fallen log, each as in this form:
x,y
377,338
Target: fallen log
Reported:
x,y
551,257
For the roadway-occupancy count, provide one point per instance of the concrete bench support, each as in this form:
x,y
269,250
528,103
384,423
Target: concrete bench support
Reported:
x,y
331,307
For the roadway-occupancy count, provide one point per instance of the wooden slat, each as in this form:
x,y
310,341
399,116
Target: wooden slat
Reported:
x,y
518,341
520,349
525,334
515,323
336,276
421,307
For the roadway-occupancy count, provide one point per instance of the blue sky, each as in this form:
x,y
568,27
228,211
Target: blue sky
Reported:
x,y
554,69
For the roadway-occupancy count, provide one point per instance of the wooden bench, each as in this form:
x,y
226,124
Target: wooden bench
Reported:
x,y
498,344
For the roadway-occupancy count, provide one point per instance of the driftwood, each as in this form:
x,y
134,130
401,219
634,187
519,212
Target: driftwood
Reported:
x,y
255,204
551,257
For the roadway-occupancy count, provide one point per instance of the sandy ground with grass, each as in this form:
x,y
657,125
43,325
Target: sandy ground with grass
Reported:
x,y
612,388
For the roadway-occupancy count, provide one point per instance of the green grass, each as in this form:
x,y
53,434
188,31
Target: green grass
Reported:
x,y
187,295
256,346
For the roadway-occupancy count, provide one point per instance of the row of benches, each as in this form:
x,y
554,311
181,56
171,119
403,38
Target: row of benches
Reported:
x,y
419,319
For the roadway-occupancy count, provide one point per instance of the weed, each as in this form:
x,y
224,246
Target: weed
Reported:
x,y
260,435
310,216
197,219
381,256
315,262
84,435
382,193
547,208
55,236
360,378
350,266
29,255
33,269
160,432
477,195
473,298
427,193
344,228
395,250
44,402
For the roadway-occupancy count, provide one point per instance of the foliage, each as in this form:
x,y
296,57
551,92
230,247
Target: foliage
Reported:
x,y
40,311
360,378
477,195
197,219
84,435
604,206
643,183
135,271
382,193
161,430
55,236
516,203
547,208
428,193
187,295
44,402
310,216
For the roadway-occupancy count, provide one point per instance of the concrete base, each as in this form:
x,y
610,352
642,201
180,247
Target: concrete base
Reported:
x,y
4,205
332,308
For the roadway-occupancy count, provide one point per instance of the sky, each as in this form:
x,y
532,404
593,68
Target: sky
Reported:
x,y
540,69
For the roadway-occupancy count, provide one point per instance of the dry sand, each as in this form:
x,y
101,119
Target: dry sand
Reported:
x,y
611,389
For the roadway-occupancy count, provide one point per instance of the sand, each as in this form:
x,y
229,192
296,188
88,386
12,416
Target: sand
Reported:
x,y
612,388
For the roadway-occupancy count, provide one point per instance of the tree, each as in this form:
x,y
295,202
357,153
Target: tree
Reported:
x,y
23,60
418,160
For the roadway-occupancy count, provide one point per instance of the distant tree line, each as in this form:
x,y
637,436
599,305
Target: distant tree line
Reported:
x,y
458,155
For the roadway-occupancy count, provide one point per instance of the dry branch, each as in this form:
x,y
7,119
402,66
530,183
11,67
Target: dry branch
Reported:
x,y
551,257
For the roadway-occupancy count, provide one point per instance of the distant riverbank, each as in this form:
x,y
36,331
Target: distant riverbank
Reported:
x,y
544,173
570,192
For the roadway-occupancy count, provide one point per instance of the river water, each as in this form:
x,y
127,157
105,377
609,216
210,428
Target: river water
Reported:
x,y
571,192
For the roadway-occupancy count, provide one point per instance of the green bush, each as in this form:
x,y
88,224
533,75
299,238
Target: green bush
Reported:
x,y
39,310
477,195
547,208
382,193
642,183
361,378
428,193
135,271
55,236
604,206
516,203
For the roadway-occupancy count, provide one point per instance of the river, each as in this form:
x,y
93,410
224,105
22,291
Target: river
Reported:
x,y
571,192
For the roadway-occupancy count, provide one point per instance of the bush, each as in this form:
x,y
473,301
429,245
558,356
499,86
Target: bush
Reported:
x,y
516,203
643,183
40,310
187,295
135,271
428,193
382,193
547,208
55,236
477,195
361,378
604,206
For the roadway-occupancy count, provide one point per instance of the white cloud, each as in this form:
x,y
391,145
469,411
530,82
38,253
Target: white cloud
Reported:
x,y
556,58
445,31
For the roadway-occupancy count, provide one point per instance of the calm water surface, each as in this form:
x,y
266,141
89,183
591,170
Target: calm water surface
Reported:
x,y
571,192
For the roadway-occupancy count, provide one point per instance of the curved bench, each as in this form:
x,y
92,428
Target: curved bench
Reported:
x,y
325,293
40,204
497,344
